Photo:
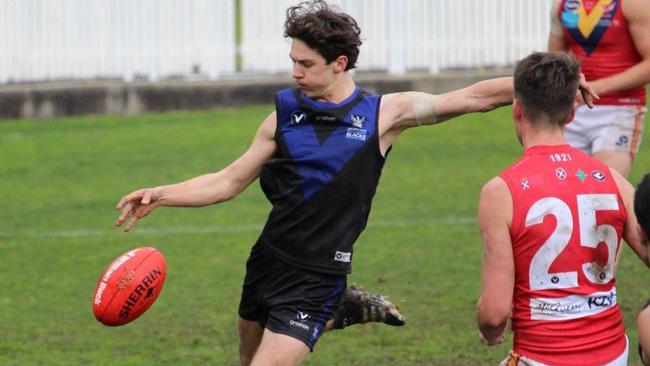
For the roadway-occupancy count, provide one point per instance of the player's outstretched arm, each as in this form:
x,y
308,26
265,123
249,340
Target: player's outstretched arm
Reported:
x,y
483,96
205,189
498,270
400,111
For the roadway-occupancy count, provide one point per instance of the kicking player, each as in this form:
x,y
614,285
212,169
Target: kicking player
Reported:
x,y
319,157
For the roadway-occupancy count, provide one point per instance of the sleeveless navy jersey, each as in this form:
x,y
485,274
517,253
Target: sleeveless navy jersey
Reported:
x,y
322,179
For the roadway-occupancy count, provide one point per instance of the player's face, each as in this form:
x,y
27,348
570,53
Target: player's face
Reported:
x,y
314,77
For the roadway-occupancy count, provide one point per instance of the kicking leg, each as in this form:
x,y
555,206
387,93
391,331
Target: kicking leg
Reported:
x,y
359,306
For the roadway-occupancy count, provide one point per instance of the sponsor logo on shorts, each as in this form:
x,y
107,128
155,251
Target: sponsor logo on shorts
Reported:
x,y
598,175
299,324
622,141
342,256
301,316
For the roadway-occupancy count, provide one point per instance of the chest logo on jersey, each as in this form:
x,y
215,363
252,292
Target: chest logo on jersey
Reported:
x,y
560,173
357,132
298,117
325,118
588,27
357,121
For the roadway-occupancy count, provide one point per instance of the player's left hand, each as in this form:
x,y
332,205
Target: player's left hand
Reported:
x,y
135,206
493,342
586,94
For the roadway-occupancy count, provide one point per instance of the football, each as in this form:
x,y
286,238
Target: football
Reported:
x,y
129,286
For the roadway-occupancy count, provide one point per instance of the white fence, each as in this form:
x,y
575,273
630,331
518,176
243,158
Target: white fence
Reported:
x,y
159,39
80,39
402,35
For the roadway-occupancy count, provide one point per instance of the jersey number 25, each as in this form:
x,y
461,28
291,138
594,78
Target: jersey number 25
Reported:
x,y
590,236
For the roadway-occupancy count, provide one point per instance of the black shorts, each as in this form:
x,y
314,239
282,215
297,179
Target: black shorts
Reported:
x,y
288,300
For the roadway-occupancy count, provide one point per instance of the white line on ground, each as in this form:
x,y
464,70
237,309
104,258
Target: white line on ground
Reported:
x,y
222,229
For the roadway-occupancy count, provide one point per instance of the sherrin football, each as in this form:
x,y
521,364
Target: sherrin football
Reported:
x,y
129,286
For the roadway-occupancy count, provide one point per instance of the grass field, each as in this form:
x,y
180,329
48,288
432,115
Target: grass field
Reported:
x,y
60,180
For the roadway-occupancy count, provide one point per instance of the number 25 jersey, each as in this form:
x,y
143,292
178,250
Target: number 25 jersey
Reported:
x,y
568,220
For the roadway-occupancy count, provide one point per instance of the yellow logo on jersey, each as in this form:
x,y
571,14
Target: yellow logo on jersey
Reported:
x,y
588,22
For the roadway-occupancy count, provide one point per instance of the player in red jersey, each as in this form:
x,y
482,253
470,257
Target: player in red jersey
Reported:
x,y
552,225
612,40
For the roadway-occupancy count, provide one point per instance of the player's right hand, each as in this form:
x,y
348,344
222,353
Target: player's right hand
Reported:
x,y
586,93
135,206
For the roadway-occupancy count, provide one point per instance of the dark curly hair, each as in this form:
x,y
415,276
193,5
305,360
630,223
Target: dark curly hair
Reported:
x,y
642,204
324,29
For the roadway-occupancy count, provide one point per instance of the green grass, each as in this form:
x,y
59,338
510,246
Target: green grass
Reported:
x,y
60,180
